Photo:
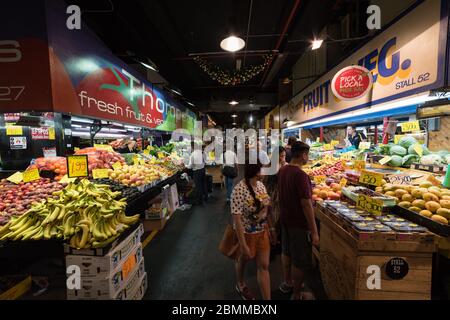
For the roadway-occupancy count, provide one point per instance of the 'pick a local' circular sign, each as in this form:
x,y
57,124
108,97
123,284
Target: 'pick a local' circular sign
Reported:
x,y
351,83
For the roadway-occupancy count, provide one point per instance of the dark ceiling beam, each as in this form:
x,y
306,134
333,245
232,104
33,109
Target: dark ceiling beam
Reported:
x,y
281,38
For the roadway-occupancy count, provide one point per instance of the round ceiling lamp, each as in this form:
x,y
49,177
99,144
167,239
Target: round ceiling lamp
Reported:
x,y
233,102
232,44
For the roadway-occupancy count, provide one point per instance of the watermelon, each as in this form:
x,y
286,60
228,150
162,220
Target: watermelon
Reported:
x,y
397,150
407,141
396,161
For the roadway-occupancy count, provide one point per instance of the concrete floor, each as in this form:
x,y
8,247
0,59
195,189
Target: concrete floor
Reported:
x,y
183,260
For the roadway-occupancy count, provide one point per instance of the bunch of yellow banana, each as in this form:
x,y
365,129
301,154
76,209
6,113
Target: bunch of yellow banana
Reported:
x,y
85,213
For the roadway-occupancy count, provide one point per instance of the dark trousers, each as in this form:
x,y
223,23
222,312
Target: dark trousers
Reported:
x,y
201,192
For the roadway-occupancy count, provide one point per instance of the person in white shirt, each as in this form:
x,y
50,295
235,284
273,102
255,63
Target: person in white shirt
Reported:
x,y
197,164
230,173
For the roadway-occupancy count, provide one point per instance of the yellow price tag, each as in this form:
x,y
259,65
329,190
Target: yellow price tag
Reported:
x,y
16,177
117,166
385,160
359,165
142,162
160,155
31,175
51,133
369,204
147,152
104,147
320,179
14,131
318,140
150,148
371,178
77,166
397,138
410,126
343,182
100,173
66,179
328,147
364,145
135,160
347,156
76,149
419,149
334,142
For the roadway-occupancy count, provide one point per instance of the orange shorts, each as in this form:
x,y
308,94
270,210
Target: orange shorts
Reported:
x,y
257,242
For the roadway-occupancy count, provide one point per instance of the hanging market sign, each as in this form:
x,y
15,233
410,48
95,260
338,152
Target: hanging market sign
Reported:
x,y
85,78
351,83
407,58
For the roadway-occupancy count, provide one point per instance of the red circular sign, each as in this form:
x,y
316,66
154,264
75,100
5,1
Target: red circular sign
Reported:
x,y
351,83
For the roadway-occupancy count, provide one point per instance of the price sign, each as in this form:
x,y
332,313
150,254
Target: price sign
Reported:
x,y
334,142
76,149
320,179
147,152
77,166
100,173
419,149
16,177
347,156
369,204
104,147
396,268
31,175
364,145
359,165
117,166
398,137
135,160
318,140
343,182
14,131
385,160
150,148
66,179
161,155
328,147
399,178
372,178
51,133
128,266
410,126
142,162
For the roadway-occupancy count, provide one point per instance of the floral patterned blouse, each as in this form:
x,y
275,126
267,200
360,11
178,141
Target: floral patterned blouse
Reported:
x,y
242,203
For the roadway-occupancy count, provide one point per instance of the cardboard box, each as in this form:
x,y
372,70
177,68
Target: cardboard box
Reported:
x,y
139,293
156,224
129,238
119,286
174,202
106,266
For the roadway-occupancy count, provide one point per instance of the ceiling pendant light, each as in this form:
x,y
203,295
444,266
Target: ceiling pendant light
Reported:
x,y
232,44
233,102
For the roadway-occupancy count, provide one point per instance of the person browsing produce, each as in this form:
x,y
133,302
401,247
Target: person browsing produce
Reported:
x,y
298,226
354,138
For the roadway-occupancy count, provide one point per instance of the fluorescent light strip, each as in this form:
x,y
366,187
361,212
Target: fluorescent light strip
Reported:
x,y
82,120
148,66
190,103
386,106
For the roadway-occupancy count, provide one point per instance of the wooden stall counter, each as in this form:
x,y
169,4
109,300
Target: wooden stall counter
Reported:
x,y
373,265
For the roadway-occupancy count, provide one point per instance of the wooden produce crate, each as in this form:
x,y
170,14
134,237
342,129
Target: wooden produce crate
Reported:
x,y
345,258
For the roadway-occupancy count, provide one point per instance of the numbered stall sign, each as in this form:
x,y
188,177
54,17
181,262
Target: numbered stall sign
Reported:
x,y
77,166
369,204
371,178
396,268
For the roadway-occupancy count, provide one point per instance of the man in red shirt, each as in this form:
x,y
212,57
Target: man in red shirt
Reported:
x,y
298,226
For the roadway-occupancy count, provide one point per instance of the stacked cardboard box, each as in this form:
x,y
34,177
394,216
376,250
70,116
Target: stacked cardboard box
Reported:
x,y
119,274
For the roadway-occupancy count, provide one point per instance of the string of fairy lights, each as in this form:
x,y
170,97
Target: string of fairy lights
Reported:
x,y
232,78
